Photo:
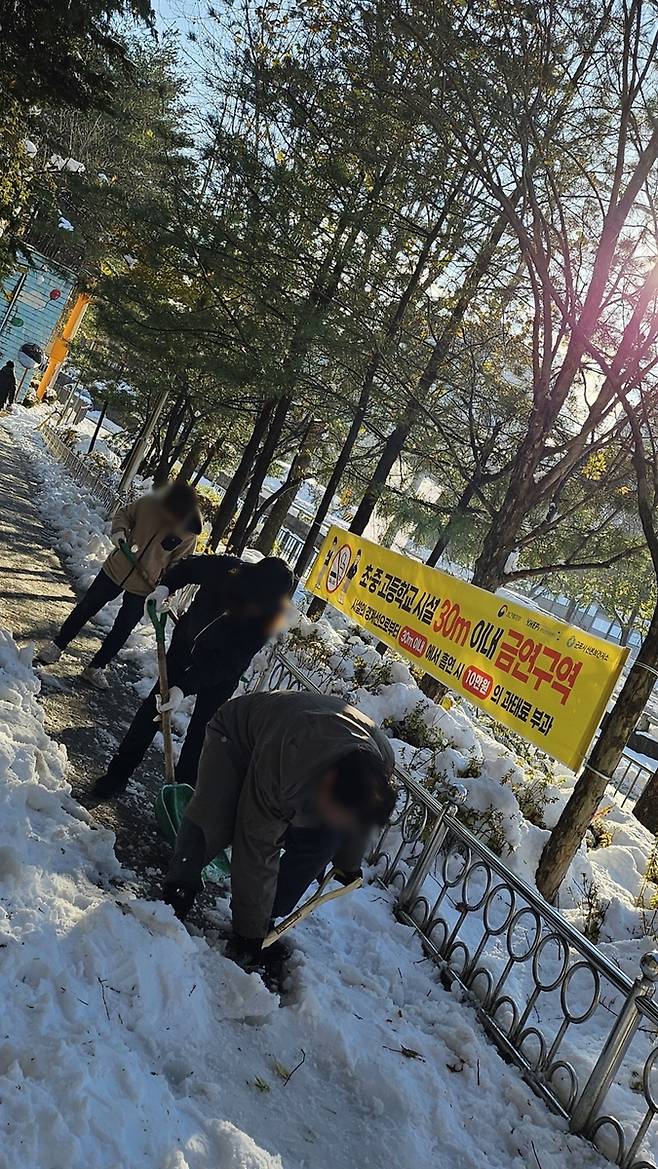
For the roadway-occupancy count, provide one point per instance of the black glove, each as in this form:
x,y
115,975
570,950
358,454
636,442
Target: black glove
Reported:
x,y
247,952
250,955
181,897
346,876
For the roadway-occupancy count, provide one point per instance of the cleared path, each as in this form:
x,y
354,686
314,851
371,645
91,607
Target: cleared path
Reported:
x,y
35,597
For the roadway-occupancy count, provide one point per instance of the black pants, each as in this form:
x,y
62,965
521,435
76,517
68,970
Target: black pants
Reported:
x,y
307,852
100,592
143,728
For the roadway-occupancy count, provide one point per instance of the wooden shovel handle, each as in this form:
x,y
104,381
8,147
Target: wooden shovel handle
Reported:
x,y
313,903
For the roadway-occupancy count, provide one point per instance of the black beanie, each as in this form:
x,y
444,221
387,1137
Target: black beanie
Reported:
x,y
267,580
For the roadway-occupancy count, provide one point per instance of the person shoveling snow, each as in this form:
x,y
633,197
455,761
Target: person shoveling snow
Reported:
x,y
301,772
163,527
236,609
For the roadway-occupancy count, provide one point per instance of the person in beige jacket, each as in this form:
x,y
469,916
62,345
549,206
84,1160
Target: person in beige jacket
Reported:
x,y
160,529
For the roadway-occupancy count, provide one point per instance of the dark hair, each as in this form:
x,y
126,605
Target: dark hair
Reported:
x,y
180,499
267,581
365,788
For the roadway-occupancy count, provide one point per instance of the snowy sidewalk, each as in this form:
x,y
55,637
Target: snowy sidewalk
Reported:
x,y
35,594
130,1043
35,597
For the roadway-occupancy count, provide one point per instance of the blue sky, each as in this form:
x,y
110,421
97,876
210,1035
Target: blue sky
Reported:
x,y
184,17
178,14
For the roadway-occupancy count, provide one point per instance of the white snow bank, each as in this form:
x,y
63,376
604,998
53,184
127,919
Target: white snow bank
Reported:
x,y
127,1042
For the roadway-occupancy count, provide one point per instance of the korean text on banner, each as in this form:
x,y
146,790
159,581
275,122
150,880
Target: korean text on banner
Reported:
x,y
547,680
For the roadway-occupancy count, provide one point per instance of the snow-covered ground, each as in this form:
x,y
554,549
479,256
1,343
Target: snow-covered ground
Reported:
x,y
130,1043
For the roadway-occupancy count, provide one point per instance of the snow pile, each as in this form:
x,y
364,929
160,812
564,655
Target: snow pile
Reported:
x,y
129,1042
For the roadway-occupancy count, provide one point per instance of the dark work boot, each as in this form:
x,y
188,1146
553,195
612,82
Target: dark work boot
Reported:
x,y
109,785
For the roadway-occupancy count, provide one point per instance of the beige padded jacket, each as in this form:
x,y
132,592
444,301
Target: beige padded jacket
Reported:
x,y
159,544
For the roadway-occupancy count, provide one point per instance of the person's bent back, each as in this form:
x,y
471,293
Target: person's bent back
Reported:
x,y
304,772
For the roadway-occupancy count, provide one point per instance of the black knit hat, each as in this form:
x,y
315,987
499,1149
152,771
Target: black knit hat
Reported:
x,y
267,580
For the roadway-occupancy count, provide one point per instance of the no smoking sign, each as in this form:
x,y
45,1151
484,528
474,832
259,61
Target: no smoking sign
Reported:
x,y
338,568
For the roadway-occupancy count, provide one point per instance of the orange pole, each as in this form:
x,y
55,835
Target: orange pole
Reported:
x,y
59,348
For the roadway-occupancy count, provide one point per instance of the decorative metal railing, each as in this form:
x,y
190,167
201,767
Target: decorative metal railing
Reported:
x,y
79,470
546,995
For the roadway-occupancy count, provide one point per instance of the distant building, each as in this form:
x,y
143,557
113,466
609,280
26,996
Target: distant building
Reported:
x,y
33,299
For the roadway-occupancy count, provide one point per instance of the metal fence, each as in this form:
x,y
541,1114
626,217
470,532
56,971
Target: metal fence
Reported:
x,y
545,994
630,778
79,470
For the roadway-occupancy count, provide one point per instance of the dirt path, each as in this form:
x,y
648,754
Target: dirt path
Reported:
x,y
35,597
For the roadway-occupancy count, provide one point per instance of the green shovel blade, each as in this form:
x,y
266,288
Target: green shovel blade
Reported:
x,y
170,805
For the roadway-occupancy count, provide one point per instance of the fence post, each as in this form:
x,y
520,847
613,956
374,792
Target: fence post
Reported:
x,y
431,849
615,1048
427,857
264,674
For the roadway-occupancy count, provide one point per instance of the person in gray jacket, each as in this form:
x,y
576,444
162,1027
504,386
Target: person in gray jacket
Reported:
x,y
299,772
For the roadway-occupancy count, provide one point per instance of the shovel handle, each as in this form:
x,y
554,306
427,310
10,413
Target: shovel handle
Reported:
x,y
313,903
159,623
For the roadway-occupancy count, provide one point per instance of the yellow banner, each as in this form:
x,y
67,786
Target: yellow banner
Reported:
x,y
548,681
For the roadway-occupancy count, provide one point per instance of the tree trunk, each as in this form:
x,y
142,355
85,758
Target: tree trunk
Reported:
x,y
572,609
308,551
393,448
432,687
391,331
223,516
180,444
190,462
174,423
590,788
523,490
398,437
200,471
628,627
237,539
454,523
428,684
646,807
299,469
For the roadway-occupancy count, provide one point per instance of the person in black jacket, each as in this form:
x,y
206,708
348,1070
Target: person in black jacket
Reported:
x,y
7,385
236,610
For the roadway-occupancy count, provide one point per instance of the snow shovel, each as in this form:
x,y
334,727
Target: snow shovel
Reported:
x,y
313,903
173,798
170,805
